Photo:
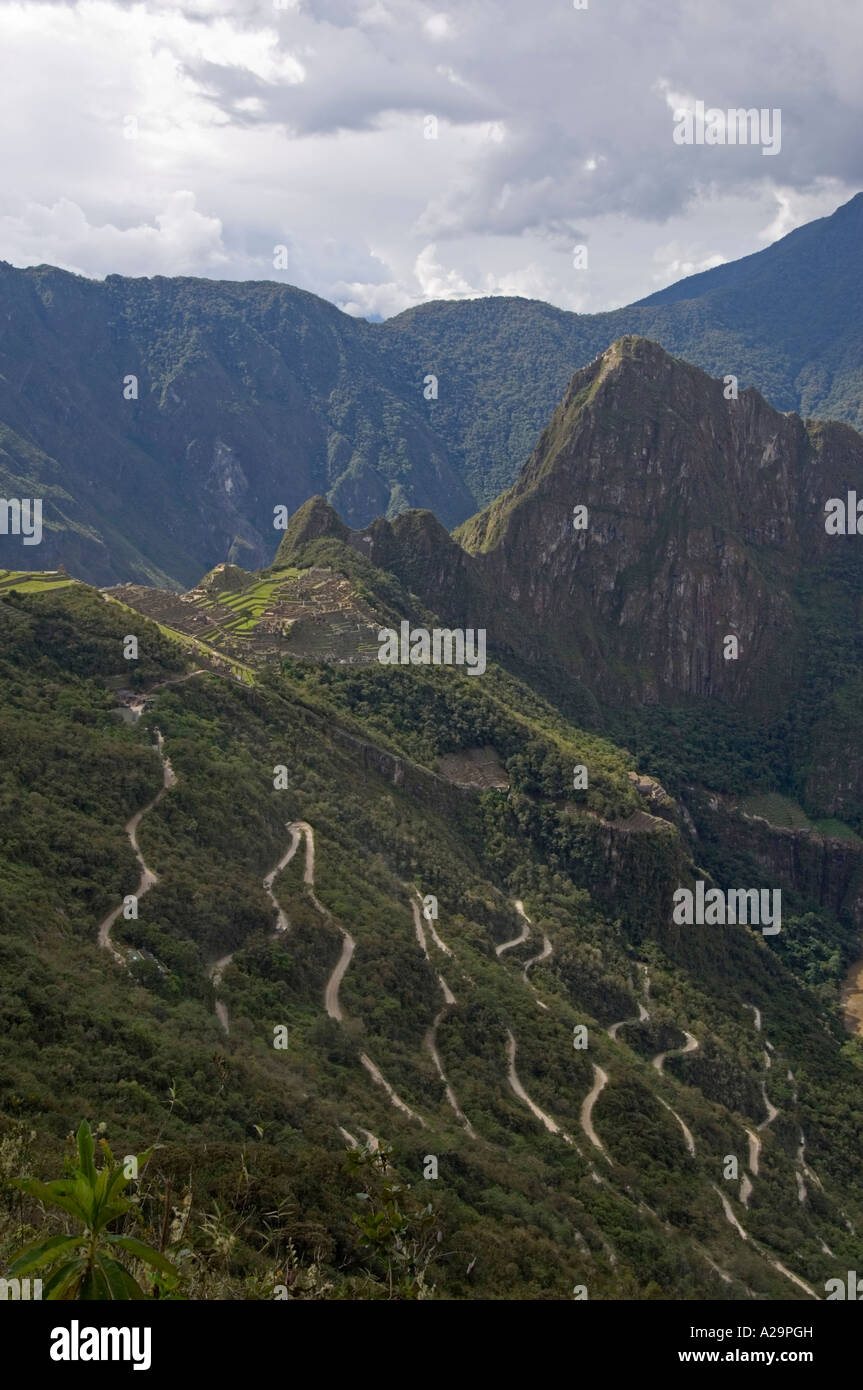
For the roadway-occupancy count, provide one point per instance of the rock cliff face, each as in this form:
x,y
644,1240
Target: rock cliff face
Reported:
x,y
703,523
702,513
822,869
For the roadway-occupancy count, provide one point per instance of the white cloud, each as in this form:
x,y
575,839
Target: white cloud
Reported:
x,y
676,263
438,26
303,125
436,282
183,241
793,207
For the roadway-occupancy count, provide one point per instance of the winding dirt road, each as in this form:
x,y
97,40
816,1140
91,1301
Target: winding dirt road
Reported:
x,y
218,967
282,923
396,1100
331,993
687,1132
643,1017
148,875
523,934
771,1109
756,1012
691,1046
331,990
512,1076
418,928
600,1079
441,945
544,954
537,960
449,999
431,1046
777,1265
754,1153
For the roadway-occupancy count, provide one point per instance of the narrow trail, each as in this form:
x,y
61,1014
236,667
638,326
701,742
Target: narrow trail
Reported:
x,y
643,1017
431,1045
282,923
331,991
802,1171
755,1145
729,1214
658,1062
353,1143
691,1046
544,954
148,875
512,1076
449,999
379,1080
687,1132
215,972
217,969
523,934
441,945
771,1109
754,1154
798,1174
418,928
600,1080
420,916
756,1014
754,1151
744,1235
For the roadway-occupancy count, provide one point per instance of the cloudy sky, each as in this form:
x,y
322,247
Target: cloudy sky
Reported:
x,y
402,151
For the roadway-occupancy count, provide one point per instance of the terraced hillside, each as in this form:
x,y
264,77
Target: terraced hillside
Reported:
x,y
311,614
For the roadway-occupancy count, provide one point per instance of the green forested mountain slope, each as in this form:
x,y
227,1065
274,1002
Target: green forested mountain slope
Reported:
x,y
619,1188
258,395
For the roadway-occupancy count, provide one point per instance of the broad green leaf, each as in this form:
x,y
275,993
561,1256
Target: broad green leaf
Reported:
x,y
63,1282
110,1213
119,1281
94,1288
41,1253
145,1253
83,1194
117,1182
86,1149
54,1194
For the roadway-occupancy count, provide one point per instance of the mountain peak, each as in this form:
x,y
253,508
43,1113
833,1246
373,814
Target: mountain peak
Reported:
x,y
314,519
